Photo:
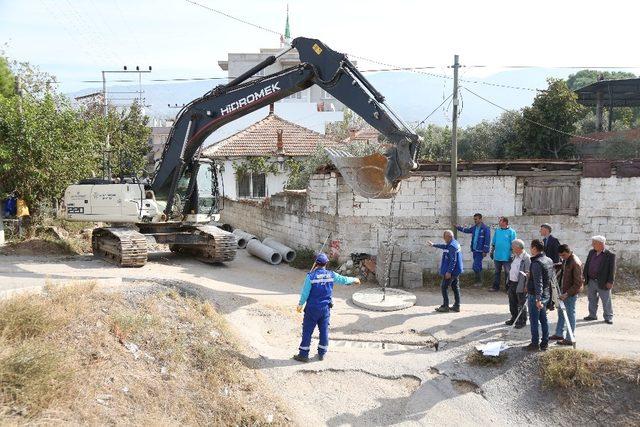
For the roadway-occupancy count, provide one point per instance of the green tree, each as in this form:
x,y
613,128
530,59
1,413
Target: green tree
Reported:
x,y
585,77
7,79
128,139
436,144
544,129
46,146
339,131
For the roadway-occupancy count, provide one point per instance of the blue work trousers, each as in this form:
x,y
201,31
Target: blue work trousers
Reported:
x,y
315,316
477,262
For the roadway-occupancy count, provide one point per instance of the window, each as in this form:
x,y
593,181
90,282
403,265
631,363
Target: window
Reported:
x,y
551,196
252,185
297,95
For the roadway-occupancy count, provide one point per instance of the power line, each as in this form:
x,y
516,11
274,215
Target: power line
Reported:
x,y
260,27
529,120
434,110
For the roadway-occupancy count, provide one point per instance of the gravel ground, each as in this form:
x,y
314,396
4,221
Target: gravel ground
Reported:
x,y
382,367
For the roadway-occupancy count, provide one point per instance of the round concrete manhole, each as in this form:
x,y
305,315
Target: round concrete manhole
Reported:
x,y
376,299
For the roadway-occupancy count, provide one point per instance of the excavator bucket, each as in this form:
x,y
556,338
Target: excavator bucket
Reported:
x,y
367,176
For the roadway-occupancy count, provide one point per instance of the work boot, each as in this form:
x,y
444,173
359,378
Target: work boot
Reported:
x,y
509,322
455,308
544,346
320,357
608,321
300,358
590,318
565,342
531,347
555,338
443,309
520,325
478,279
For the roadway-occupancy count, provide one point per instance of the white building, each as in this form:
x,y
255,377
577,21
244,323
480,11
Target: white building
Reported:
x,y
274,139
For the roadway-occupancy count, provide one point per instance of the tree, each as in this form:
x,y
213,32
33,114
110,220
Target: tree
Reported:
x,y
7,79
436,144
544,129
585,77
128,139
45,147
339,131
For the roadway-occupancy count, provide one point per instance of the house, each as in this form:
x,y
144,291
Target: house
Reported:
x,y
157,139
254,161
367,134
238,63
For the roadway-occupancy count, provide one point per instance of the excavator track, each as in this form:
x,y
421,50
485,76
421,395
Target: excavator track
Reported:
x,y
219,245
121,246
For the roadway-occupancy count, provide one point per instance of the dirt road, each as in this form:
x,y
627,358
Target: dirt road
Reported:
x,y
382,367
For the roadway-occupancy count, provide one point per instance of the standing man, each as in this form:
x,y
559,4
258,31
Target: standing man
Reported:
x,y
22,212
518,274
551,244
501,251
539,293
572,282
599,274
479,243
317,293
450,269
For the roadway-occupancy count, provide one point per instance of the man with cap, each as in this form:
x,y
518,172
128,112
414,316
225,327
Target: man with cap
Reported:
x,y
317,293
599,273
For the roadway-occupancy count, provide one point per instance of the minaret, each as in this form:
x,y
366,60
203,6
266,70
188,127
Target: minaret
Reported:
x,y
287,32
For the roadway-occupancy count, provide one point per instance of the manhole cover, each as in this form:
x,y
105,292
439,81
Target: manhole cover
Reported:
x,y
376,300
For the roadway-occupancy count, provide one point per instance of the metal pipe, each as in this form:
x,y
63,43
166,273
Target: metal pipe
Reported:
x,y
287,253
243,237
264,252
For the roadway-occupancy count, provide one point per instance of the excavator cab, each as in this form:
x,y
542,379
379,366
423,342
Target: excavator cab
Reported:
x,y
201,197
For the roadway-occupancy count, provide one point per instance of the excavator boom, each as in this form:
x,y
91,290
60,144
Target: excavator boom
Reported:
x,y
373,176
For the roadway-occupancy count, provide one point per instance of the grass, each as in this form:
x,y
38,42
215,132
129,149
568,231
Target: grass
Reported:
x,y
570,368
67,355
476,358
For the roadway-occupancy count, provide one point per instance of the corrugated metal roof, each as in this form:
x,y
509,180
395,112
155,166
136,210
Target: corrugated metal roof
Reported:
x,y
260,139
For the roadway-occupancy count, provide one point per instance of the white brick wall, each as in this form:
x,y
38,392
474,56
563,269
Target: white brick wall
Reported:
x,y
608,206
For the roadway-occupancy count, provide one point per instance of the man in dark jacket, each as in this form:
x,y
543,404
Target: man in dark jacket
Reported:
x,y
599,274
480,240
450,269
551,244
539,292
572,282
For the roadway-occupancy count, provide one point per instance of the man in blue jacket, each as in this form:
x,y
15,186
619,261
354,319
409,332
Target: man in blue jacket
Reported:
x,y
317,293
450,269
479,243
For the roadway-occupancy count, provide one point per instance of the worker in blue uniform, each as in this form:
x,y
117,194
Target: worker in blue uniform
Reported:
x,y
450,269
317,293
479,243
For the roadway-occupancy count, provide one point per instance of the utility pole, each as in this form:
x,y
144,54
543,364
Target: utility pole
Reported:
x,y
454,149
105,108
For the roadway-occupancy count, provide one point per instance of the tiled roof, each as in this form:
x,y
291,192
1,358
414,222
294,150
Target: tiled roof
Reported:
x,y
367,133
260,139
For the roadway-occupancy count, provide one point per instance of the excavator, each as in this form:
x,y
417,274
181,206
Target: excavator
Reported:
x,y
180,204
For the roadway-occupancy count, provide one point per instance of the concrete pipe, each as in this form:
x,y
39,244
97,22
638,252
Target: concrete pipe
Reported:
x,y
287,253
264,252
243,237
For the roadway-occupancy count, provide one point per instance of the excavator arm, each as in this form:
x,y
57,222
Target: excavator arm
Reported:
x,y
373,176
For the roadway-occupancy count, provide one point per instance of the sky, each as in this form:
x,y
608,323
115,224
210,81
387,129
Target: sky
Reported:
x,y
76,39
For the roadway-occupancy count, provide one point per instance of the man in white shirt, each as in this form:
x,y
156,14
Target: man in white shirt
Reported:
x,y
518,272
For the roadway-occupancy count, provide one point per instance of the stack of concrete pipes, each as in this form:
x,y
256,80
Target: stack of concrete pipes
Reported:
x,y
269,250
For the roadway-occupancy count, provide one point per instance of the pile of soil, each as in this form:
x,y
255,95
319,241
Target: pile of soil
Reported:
x,y
37,246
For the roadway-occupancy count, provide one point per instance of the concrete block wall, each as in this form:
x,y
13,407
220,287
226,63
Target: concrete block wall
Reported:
x,y
608,206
